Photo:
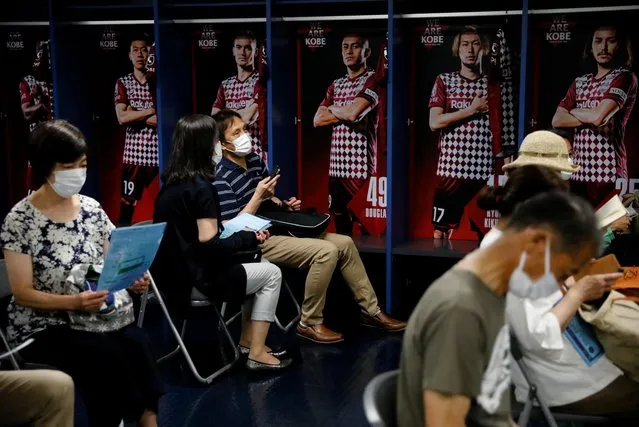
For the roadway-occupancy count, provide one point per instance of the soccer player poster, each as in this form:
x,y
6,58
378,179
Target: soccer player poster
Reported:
x,y
135,110
125,122
341,97
590,98
230,72
464,109
27,99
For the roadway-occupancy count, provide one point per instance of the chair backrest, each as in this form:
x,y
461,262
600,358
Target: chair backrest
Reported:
x,y
5,289
380,400
515,350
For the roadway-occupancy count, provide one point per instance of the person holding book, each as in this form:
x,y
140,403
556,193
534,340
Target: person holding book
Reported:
x,y
565,360
46,236
194,252
552,150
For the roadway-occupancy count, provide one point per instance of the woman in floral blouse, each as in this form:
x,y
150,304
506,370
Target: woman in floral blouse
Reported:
x,y
43,238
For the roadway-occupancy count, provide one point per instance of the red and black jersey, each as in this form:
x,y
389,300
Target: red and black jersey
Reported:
x,y
141,140
354,146
465,149
600,151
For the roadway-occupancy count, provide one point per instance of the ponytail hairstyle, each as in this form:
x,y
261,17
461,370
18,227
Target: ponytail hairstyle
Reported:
x,y
523,183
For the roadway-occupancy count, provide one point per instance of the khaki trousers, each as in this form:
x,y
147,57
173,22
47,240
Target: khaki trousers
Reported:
x,y
42,398
321,256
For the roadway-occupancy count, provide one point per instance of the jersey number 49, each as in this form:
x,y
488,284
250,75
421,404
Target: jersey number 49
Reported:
x,y
377,191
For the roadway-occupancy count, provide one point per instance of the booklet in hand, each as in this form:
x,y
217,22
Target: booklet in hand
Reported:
x,y
244,222
130,255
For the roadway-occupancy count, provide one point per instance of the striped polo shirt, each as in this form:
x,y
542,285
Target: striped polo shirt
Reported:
x,y
235,186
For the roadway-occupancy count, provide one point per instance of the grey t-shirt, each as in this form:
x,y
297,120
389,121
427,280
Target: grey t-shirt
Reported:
x,y
457,342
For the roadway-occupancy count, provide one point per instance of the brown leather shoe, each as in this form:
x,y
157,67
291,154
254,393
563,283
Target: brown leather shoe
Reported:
x,y
319,334
382,321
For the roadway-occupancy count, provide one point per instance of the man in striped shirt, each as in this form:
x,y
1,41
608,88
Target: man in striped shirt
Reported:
x,y
243,183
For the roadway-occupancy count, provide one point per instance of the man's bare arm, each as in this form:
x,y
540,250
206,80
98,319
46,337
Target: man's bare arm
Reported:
x,y
596,116
30,111
350,113
153,120
445,410
248,113
564,119
323,117
126,115
439,120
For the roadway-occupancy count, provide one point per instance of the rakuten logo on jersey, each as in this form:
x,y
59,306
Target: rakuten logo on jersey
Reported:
x,y
459,104
588,104
15,43
236,105
142,105
559,31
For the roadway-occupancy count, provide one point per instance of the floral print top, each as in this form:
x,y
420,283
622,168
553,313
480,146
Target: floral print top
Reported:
x,y
54,249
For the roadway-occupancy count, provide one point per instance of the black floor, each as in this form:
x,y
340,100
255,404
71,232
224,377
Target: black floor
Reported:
x,y
324,387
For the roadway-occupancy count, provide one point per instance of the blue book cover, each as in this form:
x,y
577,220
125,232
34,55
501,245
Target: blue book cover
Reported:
x,y
130,255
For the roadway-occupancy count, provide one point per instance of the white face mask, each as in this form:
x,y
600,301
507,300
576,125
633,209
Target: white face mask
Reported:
x,y
522,286
242,145
565,175
217,153
69,182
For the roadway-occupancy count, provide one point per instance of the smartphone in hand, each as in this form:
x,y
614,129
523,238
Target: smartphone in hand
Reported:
x,y
275,172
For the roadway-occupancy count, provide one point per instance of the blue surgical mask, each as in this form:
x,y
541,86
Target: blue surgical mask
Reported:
x,y
522,286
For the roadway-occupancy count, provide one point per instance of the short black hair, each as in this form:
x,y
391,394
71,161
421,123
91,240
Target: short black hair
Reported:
x,y
140,37
569,217
224,118
361,36
194,138
53,142
523,183
245,34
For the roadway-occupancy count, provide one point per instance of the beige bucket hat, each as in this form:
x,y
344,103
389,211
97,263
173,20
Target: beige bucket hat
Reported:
x,y
544,148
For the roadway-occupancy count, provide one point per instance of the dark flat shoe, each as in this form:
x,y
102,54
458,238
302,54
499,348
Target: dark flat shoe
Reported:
x,y
280,354
255,366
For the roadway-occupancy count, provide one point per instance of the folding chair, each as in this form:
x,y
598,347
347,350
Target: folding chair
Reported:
x,y
197,300
284,329
380,400
529,411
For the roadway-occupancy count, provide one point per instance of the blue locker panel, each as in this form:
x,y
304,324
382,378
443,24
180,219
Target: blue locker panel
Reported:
x,y
174,87
282,129
523,102
397,124
71,80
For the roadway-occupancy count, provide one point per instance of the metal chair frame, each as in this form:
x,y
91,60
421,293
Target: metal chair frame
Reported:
x,y
196,302
380,399
533,397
